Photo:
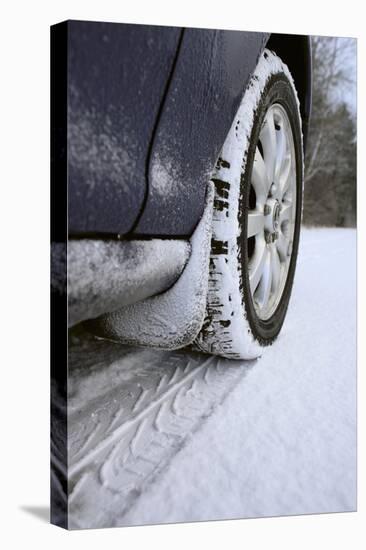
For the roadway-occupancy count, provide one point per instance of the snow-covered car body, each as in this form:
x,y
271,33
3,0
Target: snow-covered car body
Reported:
x,y
139,114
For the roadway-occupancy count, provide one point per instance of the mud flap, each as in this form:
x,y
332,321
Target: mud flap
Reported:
x,y
174,318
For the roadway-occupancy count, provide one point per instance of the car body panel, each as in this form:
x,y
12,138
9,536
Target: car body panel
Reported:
x,y
117,76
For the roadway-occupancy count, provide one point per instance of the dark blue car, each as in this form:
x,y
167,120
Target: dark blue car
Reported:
x,y
177,181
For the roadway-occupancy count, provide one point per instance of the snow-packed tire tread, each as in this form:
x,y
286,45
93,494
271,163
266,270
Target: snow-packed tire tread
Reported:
x,y
226,330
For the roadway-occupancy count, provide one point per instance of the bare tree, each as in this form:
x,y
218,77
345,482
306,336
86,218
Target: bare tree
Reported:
x,y
330,164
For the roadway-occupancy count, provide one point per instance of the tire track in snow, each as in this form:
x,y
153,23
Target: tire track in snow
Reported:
x,y
131,411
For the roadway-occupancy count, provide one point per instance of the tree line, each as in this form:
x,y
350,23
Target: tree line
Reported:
x,y
330,161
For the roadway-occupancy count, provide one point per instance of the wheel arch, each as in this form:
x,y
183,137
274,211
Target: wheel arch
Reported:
x,y
295,51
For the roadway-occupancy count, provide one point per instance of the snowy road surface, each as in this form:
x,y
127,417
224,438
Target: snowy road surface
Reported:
x,y
178,436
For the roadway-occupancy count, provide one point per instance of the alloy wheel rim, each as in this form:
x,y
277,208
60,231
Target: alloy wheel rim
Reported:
x,y
272,211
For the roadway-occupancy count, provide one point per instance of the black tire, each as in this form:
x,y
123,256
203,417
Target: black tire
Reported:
x,y
232,327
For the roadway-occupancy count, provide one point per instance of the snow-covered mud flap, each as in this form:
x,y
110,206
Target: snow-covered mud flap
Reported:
x,y
173,319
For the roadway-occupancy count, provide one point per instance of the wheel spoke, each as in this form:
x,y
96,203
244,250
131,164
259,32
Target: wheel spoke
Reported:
x,y
256,264
255,222
276,267
260,180
284,177
282,244
281,155
269,143
263,291
286,212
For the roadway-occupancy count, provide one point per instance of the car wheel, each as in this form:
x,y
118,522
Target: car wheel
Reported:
x,y
256,220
